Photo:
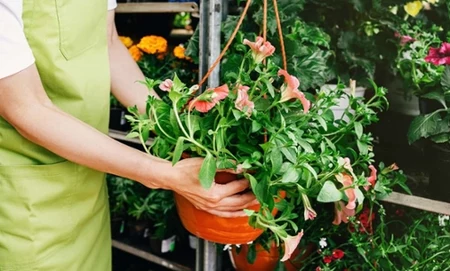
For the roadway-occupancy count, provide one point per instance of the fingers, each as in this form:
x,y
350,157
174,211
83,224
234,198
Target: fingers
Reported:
x,y
231,188
235,203
227,214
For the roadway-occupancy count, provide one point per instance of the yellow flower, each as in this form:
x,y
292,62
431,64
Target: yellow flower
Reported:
x,y
413,8
153,44
432,1
178,52
126,41
135,53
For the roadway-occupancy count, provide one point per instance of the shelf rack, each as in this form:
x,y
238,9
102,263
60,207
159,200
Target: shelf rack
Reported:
x,y
149,256
155,7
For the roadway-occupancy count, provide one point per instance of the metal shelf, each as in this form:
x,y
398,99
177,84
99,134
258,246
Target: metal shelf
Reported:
x,y
419,203
155,7
149,257
121,136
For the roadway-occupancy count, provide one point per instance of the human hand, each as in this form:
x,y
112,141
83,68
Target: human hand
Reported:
x,y
225,200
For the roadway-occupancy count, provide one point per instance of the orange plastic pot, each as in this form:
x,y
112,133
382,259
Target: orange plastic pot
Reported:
x,y
213,228
264,261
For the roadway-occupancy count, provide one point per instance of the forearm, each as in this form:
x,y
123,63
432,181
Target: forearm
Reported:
x,y
38,120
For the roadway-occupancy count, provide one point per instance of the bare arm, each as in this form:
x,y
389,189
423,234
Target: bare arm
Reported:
x,y
124,71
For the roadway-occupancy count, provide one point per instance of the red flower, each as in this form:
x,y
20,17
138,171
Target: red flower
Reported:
x,y
209,99
327,259
400,212
318,268
439,56
338,254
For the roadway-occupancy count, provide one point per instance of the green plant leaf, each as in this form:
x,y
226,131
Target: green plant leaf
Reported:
x,y
437,95
423,126
132,135
207,171
305,145
362,147
256,126
145,132
322,122
445,79
329,193
276,159
310,169
178,150
291,175
358,129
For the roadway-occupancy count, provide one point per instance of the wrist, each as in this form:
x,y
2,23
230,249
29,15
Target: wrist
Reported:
x,y
156,173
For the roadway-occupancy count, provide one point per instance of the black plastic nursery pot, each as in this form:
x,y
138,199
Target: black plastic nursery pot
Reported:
x,y
138,232
117,119
438,156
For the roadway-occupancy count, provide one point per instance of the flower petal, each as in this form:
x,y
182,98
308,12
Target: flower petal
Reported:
x,y
290,244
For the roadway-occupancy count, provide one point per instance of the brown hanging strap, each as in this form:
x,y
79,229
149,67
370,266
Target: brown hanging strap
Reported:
x,y
233,35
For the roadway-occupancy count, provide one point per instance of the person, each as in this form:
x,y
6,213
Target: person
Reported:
x,y
59,61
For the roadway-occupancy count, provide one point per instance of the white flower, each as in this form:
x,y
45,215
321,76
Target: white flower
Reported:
x,y
323,242
443,219
407,55
227,247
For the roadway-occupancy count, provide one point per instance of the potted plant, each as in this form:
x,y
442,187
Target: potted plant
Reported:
x,y
423,65
121,191
260,122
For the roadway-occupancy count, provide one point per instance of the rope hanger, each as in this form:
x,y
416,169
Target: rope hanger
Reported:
x,y
233,35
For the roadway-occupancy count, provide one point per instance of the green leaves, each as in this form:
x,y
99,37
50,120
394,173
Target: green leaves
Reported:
x,y
426,126
207,171
329,193
178,150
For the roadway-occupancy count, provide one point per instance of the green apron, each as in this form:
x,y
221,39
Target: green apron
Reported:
x,y
54,213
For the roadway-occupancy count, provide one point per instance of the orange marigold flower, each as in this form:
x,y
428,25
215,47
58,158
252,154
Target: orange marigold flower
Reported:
x,y
126,41
179,51
135,53
153,44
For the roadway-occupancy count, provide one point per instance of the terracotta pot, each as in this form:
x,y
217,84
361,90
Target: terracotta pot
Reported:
x,y
213,228
264,261
297,258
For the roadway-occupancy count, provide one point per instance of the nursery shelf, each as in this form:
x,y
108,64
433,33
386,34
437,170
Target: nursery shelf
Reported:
x,y
121,136
149,257
155,7
419,203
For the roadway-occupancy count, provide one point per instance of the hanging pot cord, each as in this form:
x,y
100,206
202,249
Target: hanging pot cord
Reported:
x,y
233,36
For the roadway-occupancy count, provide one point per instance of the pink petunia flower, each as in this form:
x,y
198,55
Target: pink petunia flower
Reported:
x,y
208,99
289,90
242,101
347,181
372,179
439,56
290,244
342,213
404,39
260,49
309,212
166,85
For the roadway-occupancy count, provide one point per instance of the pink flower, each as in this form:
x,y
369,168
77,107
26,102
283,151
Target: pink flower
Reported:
x,y
404,39
372,178
318,268
347,181
290,244
242,102
309,213
439,56
348,164
166,85
393,167
208,99
260,49
342,213
289,90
